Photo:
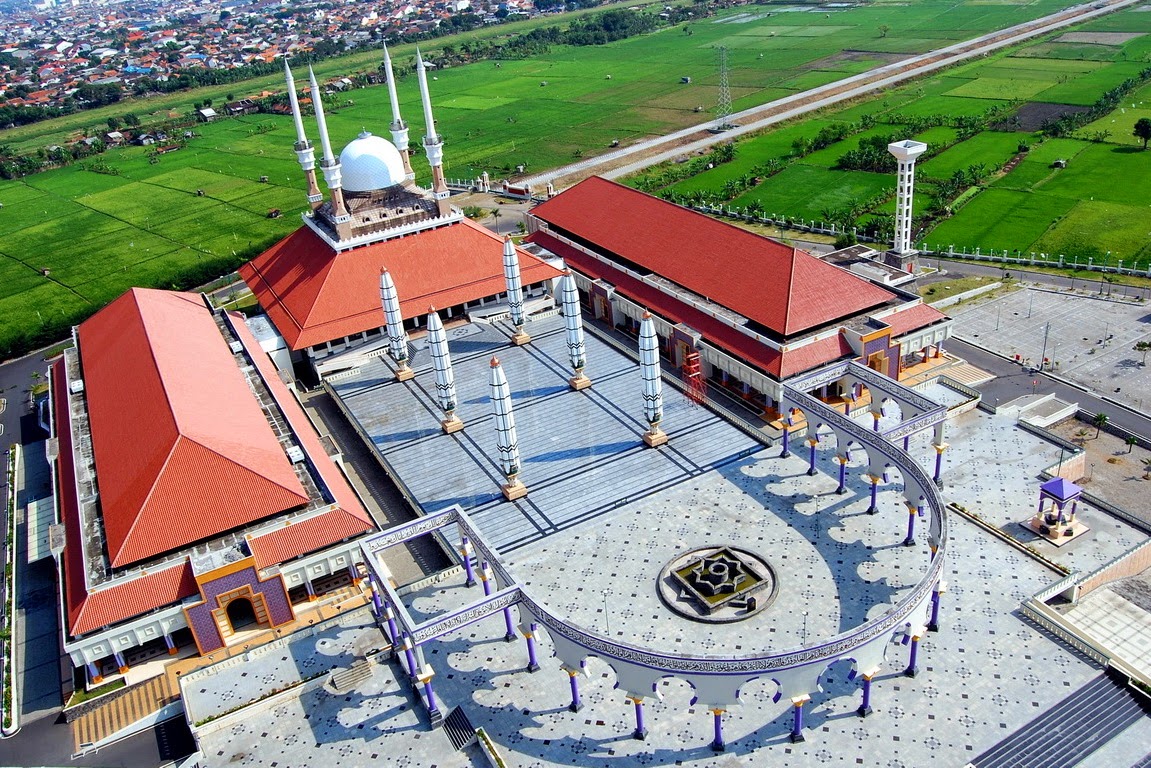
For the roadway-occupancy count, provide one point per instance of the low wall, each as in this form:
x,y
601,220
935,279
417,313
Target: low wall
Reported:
x,y
951,300
1131,563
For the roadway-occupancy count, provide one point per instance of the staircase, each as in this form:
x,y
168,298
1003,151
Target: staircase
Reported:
x,y
1066,734
121,712
461,733
344,680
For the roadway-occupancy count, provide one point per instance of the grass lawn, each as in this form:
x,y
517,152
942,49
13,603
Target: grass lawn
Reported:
x,y
1092,228
1035,170
989,148
1000,219
803,190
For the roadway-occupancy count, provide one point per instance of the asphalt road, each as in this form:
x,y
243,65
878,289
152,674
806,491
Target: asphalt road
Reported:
x,y
1012,381
1057,281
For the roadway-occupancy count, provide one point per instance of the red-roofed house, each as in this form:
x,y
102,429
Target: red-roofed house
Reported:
x,y
195,495
742,311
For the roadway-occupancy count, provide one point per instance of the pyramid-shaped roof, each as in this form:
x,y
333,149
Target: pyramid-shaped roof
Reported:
x,y
1061,488
314,294
783,289
182,449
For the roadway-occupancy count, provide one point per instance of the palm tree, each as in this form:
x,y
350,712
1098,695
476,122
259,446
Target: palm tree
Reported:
x,y
1131,441
1147,469
1081,436
1099,422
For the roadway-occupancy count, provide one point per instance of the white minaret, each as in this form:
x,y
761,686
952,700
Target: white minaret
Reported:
x,y
649,369
329,164
573,324
305,153
515,291
397,336
398,127
906,152
445,378
507,444
433,144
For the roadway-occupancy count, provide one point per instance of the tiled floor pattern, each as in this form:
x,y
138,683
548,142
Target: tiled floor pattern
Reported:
x,y
1117,624
266,669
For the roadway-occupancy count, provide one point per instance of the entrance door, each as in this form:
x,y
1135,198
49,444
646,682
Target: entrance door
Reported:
x,y
878,362
241,614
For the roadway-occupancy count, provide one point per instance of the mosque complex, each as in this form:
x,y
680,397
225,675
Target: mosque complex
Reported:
x,y
642,436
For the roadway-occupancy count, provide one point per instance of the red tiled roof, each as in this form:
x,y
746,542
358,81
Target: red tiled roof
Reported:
x,y
86,612
909,319
815,354
313,295
777,286
310,535
347,520
183,451
738,344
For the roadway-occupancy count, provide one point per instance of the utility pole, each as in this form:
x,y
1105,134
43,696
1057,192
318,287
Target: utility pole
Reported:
x,y
1043,356
723,109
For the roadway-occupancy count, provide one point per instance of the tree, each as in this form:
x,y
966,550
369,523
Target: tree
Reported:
x,y
113,123
1146,469
1099,422
1131,441
1144,347
1143,130
883,30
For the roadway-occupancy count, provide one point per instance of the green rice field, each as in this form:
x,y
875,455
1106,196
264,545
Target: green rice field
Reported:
x,y
73,239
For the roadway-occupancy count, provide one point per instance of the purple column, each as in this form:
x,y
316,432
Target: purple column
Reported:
x,y
640,730
910,540
786,442
377,604
533,664
907,443
393,632
509,626
123,665
431,695
933,622
912,670
876,417
486,578
466,552
576,704
865,707
797,723
873,510
718,744
94,675
842,489
171,644
938,478
811,445
410,655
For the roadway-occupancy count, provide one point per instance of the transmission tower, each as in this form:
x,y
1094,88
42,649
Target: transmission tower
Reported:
x,y
723,109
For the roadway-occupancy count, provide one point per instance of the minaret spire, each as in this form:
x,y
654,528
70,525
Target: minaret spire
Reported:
x,y
330,165
305,153
433,144
398,127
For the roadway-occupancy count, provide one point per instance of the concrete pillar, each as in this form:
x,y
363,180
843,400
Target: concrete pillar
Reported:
x,y
717,743
640,732
812,444
168,641
909,540
865,706
786,442
576,704
121,663
797,722
509,626
410,656
842,489
530,636
913,656
312,596
94,674
873,509
393,631
933,621
466,556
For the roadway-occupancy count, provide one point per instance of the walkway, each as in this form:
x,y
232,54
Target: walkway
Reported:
x,y
123,711
1071,730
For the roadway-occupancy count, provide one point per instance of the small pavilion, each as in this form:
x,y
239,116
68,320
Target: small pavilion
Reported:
x,y
1055,518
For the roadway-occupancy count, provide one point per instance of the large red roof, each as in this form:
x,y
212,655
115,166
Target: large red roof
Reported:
x,y
912,318
86,612
783,289
183,451
313,294
780,364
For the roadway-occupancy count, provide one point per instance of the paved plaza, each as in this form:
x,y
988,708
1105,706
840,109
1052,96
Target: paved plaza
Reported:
x,y
603,517
1075,326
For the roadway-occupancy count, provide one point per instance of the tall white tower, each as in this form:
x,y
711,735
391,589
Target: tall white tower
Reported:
x,y
906,152
433,143
305,153
398,127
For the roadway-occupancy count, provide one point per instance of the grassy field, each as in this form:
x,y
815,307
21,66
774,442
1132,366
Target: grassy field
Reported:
x,y
1079,211
71,240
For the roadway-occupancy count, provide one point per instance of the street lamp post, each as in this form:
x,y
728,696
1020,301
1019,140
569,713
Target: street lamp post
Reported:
x,y
804,641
